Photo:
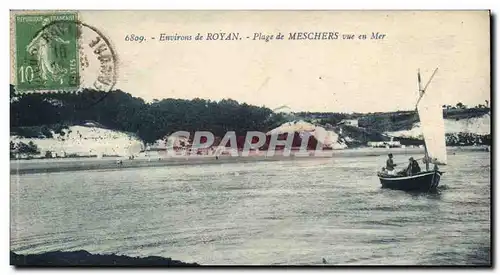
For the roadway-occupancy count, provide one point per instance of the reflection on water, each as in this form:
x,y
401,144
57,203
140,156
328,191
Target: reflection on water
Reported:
x,y
289,212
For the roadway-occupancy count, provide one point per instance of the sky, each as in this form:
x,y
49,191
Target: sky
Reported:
x,y
306,75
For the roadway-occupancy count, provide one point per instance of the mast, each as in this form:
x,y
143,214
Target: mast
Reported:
x,y
421,93
426,157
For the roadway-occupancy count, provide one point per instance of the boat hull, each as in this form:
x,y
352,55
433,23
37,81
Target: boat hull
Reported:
x,y
423,181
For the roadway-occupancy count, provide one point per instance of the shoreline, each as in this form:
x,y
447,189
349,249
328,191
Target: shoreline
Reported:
x,y
33,166
85,258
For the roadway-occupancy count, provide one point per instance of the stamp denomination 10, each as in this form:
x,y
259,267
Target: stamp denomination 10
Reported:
x,y
46,53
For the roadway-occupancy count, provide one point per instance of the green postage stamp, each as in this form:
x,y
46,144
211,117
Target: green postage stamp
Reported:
x,y
46,51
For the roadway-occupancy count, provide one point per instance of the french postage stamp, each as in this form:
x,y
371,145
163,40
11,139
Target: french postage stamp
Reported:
x,y
47,53
57,52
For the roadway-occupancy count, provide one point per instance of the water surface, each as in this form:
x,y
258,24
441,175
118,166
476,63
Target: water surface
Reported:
x,y
283,212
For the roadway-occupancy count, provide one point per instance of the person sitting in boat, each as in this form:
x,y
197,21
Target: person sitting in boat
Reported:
x,y
413,167
390,165
431,161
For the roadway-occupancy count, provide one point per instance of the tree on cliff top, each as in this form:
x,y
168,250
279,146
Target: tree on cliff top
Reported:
x,y
121,111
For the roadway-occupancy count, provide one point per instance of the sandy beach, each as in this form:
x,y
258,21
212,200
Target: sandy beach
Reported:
x,y
76,164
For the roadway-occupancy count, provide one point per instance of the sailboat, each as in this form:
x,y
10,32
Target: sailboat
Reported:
x,y
431,118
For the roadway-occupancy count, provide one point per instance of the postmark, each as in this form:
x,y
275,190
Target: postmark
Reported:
x,y
56,52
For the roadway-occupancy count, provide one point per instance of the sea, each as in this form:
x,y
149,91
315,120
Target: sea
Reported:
x,y
305,211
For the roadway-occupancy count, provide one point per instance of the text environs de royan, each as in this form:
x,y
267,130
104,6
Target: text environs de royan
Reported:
x,y
327,35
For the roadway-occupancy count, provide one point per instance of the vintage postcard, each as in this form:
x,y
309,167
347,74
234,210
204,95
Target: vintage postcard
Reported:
x,y
201,138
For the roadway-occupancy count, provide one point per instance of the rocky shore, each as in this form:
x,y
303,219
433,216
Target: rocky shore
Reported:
x,y
84,258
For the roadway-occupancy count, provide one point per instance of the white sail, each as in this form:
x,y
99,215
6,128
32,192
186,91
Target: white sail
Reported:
x,y
432,123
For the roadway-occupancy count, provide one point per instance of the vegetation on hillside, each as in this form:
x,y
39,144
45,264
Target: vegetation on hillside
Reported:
x,y
37,115
32,113
24,149
393,121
